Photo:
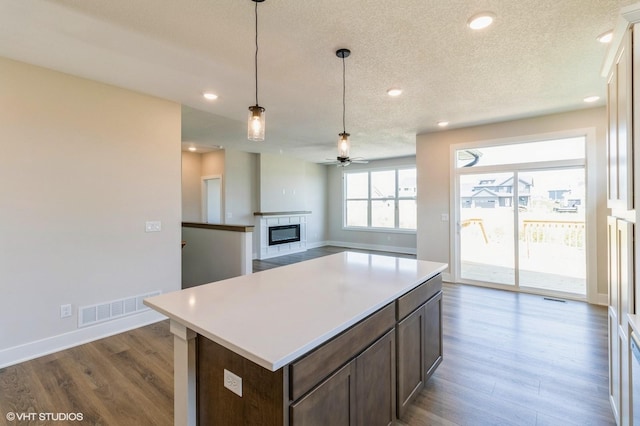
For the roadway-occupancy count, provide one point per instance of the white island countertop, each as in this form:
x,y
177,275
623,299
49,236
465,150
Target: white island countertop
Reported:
x,y
275,316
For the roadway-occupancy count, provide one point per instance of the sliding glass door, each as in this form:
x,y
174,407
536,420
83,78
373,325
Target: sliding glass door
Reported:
x,y
552,252
520,216
486,228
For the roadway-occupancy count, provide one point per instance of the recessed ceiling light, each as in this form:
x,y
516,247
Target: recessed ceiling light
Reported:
x,y
394,92
605,37
443,123
481,20
192,148
210,96
590,99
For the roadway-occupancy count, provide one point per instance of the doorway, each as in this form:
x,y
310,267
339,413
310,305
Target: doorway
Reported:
x,y
520,216
212,199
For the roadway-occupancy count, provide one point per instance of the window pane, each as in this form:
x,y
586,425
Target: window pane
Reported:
x,y
407,186
357,213
357,185
383,184
383,213
530,152
407,217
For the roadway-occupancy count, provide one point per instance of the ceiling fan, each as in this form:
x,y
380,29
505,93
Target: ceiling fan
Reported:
x,y
343,159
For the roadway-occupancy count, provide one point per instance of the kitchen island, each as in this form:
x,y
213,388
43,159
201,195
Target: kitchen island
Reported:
x,y
343,339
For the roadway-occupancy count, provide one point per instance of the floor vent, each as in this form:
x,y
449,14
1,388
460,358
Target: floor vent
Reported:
x,y
94,314
555,300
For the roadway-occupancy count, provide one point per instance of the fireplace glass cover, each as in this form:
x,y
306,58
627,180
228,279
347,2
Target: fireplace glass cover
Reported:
x,y
284,234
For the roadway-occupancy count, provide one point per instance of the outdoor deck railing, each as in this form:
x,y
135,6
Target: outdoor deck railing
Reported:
x,y
568,233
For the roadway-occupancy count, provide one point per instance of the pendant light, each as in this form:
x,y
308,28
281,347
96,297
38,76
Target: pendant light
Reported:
x,y
343,141
256,121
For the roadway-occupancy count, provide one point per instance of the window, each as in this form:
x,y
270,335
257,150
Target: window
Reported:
x,y
381,199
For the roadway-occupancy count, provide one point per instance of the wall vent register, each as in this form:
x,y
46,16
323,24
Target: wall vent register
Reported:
x,y
284,234
89,315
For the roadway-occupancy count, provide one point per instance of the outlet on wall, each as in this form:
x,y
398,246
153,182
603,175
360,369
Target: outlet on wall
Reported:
x,y
65,311
232,382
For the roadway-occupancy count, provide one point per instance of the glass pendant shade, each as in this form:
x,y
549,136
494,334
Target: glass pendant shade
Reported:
x,y
343,145
256,123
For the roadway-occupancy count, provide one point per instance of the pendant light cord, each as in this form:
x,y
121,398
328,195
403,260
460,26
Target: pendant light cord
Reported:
x,y
344,89
256,57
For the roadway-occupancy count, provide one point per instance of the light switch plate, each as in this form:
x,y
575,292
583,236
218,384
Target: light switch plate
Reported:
x,y
153,226
232,382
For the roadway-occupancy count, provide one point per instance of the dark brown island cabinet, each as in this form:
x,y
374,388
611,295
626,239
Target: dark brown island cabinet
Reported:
x,y
365,376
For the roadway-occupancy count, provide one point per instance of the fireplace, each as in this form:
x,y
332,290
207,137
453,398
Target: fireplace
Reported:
x,y
284,234
280,233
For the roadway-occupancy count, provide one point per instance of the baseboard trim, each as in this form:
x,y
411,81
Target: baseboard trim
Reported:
x,y
602,299
317,244
393,249
49,345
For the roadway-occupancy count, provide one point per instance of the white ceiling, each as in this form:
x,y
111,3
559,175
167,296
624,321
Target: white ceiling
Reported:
x,y
540,56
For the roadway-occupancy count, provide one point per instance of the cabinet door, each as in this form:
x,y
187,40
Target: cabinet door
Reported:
x,y
619,135
433,334
411,355
612,254
625,382
331,403
376,383
626,299
614,365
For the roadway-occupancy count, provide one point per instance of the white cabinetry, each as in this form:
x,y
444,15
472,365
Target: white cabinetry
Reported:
x,y
622,70
621,289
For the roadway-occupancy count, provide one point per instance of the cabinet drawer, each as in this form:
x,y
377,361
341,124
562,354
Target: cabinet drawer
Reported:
x,y
418,296
314,367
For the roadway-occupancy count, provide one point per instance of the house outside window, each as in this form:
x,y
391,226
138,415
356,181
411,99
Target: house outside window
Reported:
x,y
380,199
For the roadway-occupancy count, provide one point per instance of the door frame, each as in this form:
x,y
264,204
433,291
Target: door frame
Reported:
x,y
204,196
589,134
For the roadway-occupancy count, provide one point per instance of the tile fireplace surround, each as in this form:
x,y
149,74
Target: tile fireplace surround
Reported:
x,y
264,220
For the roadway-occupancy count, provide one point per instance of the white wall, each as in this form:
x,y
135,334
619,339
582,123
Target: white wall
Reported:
x,y
315,194
433,163
282,183
375,240
83,165
213,163
215,254
191,187
240,187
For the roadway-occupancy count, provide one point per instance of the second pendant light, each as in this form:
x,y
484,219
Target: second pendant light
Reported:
x,y
343,141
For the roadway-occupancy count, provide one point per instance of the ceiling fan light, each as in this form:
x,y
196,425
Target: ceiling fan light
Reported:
x,y
256,123
344,145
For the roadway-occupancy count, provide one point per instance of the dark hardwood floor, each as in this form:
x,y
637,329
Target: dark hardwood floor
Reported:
x,y
509,359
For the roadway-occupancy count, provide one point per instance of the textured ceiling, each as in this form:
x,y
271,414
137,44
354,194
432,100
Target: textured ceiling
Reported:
x,y
540,56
